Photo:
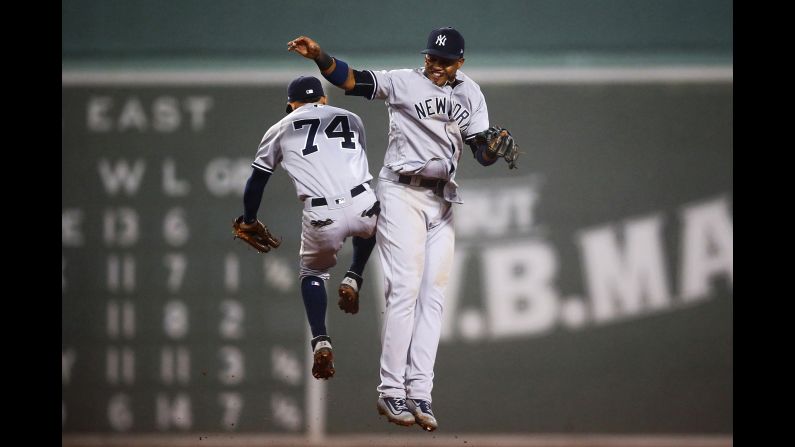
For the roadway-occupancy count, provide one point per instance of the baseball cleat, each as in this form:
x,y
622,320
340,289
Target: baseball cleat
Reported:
x,y
323,367
423,414
349,293
395,410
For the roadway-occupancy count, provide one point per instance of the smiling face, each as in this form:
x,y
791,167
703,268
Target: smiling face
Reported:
x,y
440,70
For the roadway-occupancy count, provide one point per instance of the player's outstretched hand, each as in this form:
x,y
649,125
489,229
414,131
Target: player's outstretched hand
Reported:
x,y
304,46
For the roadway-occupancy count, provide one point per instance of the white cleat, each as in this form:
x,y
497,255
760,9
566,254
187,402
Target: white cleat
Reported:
x,y
395,410
423,414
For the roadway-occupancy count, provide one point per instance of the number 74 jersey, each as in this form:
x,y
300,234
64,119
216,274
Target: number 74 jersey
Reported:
x,y
321,147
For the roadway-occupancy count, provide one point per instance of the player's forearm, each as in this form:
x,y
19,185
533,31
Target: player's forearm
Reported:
x,y
484,158
481,154
335,71
252,195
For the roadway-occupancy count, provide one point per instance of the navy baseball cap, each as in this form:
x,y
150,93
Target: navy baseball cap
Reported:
x,y
304,87
445,42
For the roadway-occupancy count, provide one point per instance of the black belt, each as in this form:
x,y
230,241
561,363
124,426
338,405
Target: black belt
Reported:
x,y
354,192
434,183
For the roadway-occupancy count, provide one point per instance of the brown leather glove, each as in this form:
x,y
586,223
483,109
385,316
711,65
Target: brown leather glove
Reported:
x,y
255,234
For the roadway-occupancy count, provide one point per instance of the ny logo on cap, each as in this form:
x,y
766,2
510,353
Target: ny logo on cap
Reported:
x,y
441,40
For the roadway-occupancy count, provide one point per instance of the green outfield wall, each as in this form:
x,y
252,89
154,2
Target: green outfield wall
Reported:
x,y
201,32
592,290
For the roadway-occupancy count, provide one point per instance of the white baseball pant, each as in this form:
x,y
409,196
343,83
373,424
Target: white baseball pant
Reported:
x,y
416,240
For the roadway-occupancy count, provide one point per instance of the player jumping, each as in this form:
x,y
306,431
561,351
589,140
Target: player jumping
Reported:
x,y
322,148
433,110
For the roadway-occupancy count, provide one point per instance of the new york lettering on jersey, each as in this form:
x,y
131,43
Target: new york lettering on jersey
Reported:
x,y
429,122
444,107
409,90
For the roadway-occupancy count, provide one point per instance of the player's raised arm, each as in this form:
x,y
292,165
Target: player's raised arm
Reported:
x,y
334,70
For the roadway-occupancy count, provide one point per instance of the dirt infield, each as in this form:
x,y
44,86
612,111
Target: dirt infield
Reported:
x,y
397,440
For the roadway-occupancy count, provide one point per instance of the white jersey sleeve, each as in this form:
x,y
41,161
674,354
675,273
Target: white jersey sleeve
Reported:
x,y
385,88
269,153
480,118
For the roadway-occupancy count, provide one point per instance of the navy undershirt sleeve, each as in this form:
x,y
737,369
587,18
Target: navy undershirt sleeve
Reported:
x,y
364,86
477,151
252,195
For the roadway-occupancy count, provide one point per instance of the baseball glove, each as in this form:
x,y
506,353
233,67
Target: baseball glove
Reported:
x,y
500,143
255,234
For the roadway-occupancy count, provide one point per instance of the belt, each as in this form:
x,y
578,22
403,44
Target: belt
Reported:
x,y
434,183
354,192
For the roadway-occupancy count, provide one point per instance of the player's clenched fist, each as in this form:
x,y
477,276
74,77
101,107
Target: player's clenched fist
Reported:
x,y
304,46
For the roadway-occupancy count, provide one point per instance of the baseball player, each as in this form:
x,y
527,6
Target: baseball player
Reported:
x,y
322,148
433,111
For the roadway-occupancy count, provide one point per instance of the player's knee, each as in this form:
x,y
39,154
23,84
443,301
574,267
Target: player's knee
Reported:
x,y
307,272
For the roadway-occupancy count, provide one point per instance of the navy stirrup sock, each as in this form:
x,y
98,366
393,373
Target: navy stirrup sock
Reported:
x,y
313,291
